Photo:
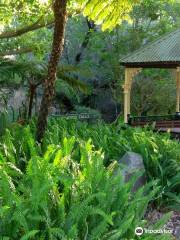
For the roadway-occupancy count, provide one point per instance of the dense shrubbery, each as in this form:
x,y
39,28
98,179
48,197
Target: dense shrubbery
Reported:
x,y
161,155
64,191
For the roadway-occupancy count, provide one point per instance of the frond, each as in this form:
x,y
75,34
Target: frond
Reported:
x,y
76,84
107,13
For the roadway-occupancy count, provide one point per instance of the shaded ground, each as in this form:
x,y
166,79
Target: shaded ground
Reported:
x,y
173,224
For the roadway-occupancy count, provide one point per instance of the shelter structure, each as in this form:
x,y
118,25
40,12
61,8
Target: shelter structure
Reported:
x,y
161,53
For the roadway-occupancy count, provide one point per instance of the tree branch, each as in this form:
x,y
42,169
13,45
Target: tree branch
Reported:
x,y
40,23
16,52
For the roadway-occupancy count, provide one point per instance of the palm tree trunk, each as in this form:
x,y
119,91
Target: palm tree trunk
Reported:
x,y
60,15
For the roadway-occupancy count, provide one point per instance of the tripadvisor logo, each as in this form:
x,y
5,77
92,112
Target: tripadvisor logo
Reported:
x,y
139,231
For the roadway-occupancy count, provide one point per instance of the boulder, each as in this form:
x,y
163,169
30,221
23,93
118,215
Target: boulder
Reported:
x,y
17,98
131,163
177,233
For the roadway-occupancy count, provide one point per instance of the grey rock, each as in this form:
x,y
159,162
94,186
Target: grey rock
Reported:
x,y
18,97
177,233
131,163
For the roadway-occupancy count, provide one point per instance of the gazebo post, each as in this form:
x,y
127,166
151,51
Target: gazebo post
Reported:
x,y
129,74
126,95
177,89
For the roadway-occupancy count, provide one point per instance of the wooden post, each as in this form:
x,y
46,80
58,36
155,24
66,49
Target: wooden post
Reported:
x,y
129,102
126,89
129,74
177,89
125,106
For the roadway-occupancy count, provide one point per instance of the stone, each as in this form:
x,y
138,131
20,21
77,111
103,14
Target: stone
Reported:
x,y
130,163
18,97
177,233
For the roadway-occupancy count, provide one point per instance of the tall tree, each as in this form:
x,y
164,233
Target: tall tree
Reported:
x,y
60,15
108,14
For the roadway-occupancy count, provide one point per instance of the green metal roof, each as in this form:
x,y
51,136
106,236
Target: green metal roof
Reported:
x,y
163,52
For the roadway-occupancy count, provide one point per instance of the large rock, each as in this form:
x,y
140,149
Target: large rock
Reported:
x,y
177,233
18,97
131,163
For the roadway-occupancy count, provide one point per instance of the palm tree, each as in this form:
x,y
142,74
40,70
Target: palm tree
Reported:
x,y
60,15
32,74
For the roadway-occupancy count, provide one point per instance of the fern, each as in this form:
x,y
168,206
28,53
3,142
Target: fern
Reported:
x,y
29,235
64,191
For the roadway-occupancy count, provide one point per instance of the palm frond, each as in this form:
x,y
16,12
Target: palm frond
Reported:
x,y
38,69
76,84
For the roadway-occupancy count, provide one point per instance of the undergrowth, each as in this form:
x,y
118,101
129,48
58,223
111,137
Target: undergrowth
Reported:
x,y
63,189
161,155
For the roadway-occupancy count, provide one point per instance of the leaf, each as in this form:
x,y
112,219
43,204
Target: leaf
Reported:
x,y
107,13
29,235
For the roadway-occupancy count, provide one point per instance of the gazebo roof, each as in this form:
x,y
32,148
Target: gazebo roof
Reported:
x,y
161,53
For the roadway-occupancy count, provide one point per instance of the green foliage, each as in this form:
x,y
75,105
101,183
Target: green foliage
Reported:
x,y
153,93
65,192
35,70
148,20
86,110
32,72
5,118
104,51
110,13
161,155
4,122
24,11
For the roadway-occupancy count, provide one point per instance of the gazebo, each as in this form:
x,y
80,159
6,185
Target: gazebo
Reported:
x,y
161,53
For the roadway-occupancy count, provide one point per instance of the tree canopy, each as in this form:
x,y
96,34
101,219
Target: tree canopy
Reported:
x,y
26,31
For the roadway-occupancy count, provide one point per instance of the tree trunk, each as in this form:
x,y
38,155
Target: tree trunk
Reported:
x,y
60,15
91,27
32,95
